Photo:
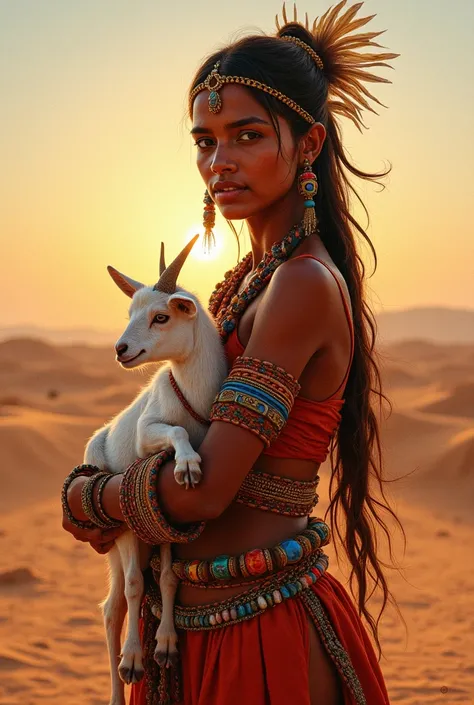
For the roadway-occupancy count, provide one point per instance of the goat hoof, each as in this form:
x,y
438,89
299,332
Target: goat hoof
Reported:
x,y
131,675
167,658
187,469
190,476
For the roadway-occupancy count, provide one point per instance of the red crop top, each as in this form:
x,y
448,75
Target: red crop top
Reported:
x,y
311,424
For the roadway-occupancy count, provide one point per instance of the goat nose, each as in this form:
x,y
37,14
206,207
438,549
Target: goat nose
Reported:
x,y
121,349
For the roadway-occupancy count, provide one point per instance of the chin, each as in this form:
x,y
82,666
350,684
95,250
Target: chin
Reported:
x,y
239,211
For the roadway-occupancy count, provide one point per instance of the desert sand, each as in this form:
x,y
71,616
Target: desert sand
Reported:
x,y
52,646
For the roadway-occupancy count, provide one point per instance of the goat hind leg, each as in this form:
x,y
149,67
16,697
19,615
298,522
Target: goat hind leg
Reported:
x,y
166,652
131,665
114,608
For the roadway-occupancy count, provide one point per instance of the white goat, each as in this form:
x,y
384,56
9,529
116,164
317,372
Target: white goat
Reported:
x,y
166,324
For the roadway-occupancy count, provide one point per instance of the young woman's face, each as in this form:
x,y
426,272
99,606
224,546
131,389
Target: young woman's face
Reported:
x,y
237,153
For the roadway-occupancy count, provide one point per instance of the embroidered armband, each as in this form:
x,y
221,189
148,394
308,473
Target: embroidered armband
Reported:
x,y
257,395
141,508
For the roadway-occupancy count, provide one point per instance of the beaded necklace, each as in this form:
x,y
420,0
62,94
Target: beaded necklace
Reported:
x,y
226,304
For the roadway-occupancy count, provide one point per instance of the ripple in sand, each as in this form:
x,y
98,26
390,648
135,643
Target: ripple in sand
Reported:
x,y
18,576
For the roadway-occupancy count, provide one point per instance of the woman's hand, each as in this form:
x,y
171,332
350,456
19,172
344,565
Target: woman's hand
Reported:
x,y
101,540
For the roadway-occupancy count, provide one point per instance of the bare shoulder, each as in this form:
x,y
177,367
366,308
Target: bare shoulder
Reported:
x,y
293,319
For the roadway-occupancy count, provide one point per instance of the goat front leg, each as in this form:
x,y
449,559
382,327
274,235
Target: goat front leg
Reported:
x,y
166,652
131,666
153,437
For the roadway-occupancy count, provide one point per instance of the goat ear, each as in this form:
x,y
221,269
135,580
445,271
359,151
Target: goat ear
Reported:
x,y
184,304
124,283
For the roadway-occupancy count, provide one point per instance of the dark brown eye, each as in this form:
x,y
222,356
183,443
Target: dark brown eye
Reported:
x,y
160,318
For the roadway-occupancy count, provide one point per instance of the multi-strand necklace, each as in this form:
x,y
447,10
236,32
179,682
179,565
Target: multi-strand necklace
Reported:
x,y
226,304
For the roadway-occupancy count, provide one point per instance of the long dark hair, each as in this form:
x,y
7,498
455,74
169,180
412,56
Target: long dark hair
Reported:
x,y
355,454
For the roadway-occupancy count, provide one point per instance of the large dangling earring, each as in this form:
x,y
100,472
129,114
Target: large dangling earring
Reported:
x,y
308,187
209,220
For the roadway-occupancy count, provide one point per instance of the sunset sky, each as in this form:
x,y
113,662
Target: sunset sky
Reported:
x,y
97,165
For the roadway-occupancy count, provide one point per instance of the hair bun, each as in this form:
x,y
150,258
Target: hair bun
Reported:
x,y
330,37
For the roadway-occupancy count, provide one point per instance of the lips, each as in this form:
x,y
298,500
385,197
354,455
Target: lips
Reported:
x,y
228,187
123,361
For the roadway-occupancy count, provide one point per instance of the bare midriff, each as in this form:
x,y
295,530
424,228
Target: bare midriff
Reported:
x,y
241,528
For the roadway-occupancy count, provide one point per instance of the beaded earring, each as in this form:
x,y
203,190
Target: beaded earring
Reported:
x,y
209,220
308,187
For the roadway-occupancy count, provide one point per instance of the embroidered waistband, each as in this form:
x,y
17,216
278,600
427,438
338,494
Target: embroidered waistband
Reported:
x,y
281,495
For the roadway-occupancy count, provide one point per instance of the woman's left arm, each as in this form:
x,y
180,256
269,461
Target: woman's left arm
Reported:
x,y
290,325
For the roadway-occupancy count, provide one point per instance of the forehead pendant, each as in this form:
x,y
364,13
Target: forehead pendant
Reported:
x,y
213,84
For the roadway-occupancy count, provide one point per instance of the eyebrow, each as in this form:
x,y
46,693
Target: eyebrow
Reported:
x,y
251,120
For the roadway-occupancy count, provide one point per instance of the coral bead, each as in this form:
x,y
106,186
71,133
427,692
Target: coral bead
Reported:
x,y
255,562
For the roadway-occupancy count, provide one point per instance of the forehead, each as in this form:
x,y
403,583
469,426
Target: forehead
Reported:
x,y
237,102
148,297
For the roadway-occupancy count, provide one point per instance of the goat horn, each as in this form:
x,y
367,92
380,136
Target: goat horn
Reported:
x,y
167,281
162,259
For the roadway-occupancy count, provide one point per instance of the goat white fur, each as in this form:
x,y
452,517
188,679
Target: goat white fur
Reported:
x,y
163,327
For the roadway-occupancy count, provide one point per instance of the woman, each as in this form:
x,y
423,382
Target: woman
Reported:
x,y
299,335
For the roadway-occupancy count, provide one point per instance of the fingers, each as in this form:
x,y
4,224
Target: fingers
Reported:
x,y
112,534
102,548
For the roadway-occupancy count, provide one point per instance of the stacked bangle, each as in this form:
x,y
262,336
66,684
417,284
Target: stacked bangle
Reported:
x,y
140,506
96,513
84,470
97,517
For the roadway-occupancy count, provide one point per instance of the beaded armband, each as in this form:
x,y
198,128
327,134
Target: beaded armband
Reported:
x,y
257,395
140,506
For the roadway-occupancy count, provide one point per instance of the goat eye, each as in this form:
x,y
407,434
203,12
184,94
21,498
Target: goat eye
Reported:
x,y
161,318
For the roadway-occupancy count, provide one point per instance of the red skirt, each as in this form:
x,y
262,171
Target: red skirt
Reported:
x,y
264,661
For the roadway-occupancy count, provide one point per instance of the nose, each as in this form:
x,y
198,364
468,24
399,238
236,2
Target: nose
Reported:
x,y
221,164
121,349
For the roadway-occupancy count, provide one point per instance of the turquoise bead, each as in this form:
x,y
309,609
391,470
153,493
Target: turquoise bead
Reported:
x,y
241,611
309,203
213,99
206,620
187,621
293,550
219,568
248,608
284,592
320,531
201,620
292,588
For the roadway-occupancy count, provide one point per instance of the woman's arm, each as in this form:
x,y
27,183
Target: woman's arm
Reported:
x,y
291,324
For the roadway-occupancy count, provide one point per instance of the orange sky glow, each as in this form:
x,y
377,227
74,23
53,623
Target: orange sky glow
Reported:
x,y
98,165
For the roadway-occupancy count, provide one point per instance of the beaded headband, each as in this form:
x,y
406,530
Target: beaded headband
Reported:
x,y
215,81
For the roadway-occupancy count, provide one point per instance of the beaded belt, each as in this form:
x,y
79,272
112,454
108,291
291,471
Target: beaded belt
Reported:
x,y
254,563
269,592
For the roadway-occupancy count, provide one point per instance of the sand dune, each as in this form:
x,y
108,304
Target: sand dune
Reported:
x,y
460,402
52,647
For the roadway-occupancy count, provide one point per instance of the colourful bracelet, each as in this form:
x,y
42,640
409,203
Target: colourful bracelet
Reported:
x,y
84,470
96,514
140,506
99,507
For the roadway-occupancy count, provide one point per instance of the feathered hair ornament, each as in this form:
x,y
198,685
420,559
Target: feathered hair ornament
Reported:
x,y
344,67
